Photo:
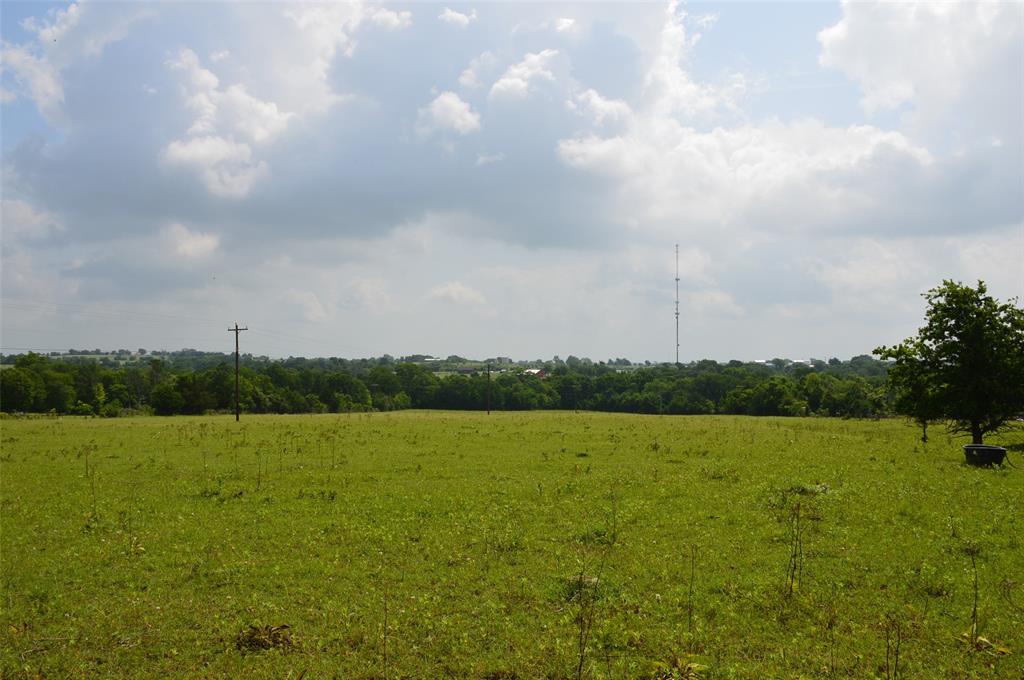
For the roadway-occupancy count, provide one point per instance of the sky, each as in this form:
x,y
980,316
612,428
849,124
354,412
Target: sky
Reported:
x,y
505,179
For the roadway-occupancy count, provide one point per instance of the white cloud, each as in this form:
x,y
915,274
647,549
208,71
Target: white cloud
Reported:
x,y
19,220
470,77
448,112
190,244
794,177
602,109
233,111
79,31
564,24
667,83
391,20
369,293
226,167
450,16
518,77
309,304
301,66
711,303
219,55
36,77
457,292
487,159
952,62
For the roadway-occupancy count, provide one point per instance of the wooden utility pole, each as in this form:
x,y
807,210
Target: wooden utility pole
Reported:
x,y
236,330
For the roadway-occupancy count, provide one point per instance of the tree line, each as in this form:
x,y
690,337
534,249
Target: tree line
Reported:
x,y
40,384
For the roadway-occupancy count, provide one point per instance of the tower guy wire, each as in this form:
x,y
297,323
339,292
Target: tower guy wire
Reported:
x,y
236,330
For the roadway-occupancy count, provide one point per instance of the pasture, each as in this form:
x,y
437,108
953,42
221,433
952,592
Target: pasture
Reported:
x,y
516,545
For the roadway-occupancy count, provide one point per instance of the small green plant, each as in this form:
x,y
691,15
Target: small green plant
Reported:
x,y
972,550
795,568
892,625
587,587
689,595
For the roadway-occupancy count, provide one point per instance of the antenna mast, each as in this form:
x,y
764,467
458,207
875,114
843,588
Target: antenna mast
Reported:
x,y
677,303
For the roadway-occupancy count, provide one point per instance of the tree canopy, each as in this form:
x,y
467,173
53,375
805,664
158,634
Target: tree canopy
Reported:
x,y
966,364
191,382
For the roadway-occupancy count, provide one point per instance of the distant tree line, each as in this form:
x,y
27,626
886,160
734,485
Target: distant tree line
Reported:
x,y
201,382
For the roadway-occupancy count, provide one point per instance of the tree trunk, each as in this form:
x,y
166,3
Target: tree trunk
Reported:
x,y
976,433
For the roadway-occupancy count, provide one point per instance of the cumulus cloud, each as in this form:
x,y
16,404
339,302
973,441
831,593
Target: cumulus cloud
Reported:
x,y
487,159
667,83
391,20
226,167
479,66
457,292
62,39
448,112
22,221
711,303
790,177
308,303
952,63
601,108
190,244
897,51
517,79
450,16
232,110
369,293
36,77
324,31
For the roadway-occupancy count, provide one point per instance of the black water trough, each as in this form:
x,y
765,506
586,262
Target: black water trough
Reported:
x,y
984,455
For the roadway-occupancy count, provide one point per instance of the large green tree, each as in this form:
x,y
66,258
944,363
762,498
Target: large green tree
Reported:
x,y
966,364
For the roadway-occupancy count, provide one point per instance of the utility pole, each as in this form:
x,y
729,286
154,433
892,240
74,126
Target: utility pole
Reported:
x,y
236,330
677,304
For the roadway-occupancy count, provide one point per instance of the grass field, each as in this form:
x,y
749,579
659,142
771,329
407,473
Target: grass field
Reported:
x,y
431,545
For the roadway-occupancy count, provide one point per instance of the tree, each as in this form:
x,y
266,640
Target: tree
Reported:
x,y
166,399
20,390
965,366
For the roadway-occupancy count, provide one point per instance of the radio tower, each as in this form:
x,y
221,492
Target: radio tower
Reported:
x,y
677,303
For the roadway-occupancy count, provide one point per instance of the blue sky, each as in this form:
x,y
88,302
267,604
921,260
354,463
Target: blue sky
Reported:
x,y
505,179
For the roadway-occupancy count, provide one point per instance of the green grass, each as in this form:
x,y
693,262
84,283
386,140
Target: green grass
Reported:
x,y
150,547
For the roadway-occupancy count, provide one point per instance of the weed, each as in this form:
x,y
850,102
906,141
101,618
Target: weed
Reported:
x,y
795,569
892,626
972,550
586,589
